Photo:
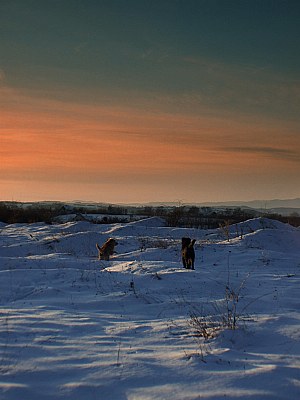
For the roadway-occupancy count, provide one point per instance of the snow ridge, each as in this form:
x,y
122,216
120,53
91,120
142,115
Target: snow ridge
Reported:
x,y
74,327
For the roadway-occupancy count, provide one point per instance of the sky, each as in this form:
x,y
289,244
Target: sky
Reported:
x,y
116,101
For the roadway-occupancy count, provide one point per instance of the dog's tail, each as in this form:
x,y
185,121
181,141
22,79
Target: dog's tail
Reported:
x,y
98,247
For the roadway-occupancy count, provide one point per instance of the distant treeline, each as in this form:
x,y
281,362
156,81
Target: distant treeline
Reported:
x,y
22,213
179,216
211,217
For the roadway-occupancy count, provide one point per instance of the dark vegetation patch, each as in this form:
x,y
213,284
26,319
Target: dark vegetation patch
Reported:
x,y
179,216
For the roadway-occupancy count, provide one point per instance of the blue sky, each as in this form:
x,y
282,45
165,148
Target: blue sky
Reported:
x,y
134,44
223,75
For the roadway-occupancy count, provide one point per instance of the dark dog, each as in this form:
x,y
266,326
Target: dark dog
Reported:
x,y
185,241
188,253
107,250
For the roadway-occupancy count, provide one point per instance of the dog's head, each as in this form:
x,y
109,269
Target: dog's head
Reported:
x,y
185,241
112,242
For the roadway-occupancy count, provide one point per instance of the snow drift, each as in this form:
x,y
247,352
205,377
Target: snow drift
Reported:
x,y
74,327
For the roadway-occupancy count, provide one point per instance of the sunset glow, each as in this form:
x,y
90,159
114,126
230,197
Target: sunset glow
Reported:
x,y
231,133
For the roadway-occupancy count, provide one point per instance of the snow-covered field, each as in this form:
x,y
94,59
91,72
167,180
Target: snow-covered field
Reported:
x,y
141,327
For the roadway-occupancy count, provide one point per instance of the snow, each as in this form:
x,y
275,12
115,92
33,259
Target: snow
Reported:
x,y
74,327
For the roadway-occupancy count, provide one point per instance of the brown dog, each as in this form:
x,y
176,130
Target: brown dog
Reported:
x,y
188,253
107,249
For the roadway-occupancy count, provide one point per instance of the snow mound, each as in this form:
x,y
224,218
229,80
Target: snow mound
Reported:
x,y
154,222
138,227
282,240
135,327
76,226
264,233
255,224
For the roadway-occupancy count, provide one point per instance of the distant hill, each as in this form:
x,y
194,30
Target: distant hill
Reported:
x,y
268,204
285,211
275,206
256,204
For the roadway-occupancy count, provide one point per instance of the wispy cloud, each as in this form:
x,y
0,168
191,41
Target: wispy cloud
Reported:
x,y
273,152
49,140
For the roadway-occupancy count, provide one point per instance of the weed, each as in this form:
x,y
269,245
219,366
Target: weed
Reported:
x,y
225,229
204,326
150,243
225,314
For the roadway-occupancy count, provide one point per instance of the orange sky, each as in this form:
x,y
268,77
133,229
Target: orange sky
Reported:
x,y
140,101
65,150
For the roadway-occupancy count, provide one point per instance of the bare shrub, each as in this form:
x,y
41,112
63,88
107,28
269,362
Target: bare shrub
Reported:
x,y
225,229
152,242
204,326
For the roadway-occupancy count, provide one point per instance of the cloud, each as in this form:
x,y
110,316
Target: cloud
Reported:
x,y
284,154
47,140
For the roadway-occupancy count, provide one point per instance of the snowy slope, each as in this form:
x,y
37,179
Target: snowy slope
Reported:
x,y
74,327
